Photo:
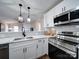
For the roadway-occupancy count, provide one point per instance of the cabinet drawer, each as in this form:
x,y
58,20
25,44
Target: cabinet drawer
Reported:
x,y
22,43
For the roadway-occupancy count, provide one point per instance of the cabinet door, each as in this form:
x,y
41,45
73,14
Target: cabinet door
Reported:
x,y
70,4
59,8
39,48
30,51
48,18
16,53
45,46
45,18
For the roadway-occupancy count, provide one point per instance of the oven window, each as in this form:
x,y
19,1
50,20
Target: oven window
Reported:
x,y
74,15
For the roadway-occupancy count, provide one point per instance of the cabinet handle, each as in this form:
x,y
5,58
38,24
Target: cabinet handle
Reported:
x,y
39,40
43,41
37,46
64,8
25,49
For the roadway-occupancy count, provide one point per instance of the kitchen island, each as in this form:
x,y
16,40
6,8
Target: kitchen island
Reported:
x,y
27,47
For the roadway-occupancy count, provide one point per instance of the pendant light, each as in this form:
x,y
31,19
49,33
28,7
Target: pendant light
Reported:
x,y
28,18
20,18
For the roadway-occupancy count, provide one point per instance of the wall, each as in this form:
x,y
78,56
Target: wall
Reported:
x,y
38,24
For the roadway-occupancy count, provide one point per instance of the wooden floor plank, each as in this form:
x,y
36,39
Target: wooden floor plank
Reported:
x,y
45,57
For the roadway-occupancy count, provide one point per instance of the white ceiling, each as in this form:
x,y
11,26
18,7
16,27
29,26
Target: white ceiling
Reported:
x,y
9,9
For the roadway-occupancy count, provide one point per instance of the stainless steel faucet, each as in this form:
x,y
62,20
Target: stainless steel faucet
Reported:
x,y
23,31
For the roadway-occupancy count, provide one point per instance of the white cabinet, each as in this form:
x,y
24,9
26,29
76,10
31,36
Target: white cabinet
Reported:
x,y
30,51
65,6
16,53
70,4
48,19
39,48
22,50
45,46
59,8
42,47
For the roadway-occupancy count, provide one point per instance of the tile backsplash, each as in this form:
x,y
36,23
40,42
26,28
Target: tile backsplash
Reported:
x,y
73,28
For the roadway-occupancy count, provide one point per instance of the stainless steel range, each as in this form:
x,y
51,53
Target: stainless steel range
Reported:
x,y
69,36
70,40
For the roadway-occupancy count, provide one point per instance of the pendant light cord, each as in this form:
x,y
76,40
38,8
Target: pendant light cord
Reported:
x,y
20,9
28,12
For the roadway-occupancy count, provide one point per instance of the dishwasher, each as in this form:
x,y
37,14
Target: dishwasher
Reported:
x,y
4,51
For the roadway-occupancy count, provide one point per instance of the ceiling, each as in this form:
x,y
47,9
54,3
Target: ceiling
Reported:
x,y
9,9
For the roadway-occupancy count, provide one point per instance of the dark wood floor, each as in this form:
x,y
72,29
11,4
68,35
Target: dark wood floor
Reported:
x,y
45,57
53,57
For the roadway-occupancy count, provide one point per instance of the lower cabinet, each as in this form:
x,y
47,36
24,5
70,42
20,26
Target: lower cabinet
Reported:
x,y
39,48
42,47
16,53
22,50
45,46
28,50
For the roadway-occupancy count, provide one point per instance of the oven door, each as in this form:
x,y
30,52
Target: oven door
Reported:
x,y
57,53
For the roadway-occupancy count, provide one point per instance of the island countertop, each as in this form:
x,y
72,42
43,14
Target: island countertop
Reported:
x,y
12,39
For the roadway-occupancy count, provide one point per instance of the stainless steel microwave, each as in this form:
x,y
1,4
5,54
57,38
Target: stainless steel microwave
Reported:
x,y
74,15
61,19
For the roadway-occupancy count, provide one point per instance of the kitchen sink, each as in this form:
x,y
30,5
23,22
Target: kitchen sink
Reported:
x,y
24,38
18,39
29,37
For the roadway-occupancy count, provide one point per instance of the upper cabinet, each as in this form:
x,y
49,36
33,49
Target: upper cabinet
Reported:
x,y
70,4
59,8
48,18
65,6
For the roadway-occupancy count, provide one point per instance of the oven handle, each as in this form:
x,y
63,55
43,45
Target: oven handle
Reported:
x,y
77,52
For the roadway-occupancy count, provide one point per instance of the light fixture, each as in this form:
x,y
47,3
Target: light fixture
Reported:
x,y
20,18
28,18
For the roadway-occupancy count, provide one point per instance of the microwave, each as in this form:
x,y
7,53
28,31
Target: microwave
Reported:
x,y
61,19
74,15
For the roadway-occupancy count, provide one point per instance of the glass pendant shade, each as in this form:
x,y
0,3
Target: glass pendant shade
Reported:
x,y
28,19
20,19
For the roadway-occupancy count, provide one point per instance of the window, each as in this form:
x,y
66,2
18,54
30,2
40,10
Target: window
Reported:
x,y
15,28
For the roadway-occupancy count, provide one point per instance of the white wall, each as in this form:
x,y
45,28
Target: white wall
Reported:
x,y
38,24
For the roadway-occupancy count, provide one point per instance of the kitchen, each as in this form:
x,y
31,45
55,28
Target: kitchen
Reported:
x,y
35,29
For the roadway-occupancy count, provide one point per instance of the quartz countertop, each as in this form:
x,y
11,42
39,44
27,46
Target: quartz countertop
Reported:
x,y
12,39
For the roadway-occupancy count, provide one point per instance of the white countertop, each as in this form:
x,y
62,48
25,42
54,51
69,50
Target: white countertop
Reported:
x,y
12,39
